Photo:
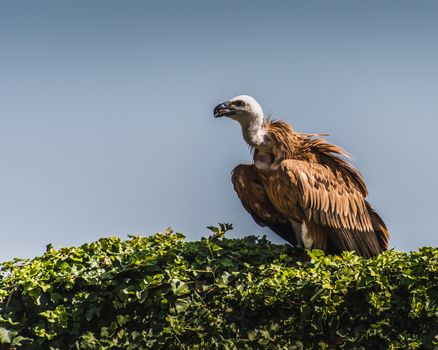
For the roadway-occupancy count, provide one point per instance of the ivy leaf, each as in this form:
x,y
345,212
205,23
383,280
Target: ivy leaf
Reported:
x,y
181,305
5,337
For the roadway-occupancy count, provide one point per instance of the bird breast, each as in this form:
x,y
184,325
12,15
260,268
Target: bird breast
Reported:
x,y
263,161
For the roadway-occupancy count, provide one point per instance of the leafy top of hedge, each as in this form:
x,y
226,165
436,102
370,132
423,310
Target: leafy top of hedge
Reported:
x,y
162,292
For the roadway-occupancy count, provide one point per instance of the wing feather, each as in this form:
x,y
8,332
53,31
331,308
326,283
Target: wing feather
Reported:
x,y
327,196
254,199
331,203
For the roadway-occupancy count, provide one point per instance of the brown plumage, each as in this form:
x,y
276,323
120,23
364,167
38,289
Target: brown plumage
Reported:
x,y
302,187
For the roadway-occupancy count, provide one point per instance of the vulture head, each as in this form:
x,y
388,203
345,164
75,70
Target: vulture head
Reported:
x,y
248,112
245,109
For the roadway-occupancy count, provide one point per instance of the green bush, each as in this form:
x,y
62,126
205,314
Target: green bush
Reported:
x,y
161,292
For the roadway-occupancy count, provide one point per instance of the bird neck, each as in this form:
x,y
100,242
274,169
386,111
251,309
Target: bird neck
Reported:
x,y
254,133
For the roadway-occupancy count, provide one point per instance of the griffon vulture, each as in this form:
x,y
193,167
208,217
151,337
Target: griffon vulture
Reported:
x,y
301,186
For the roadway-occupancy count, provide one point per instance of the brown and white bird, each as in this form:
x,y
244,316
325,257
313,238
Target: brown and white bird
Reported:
x,y
301,186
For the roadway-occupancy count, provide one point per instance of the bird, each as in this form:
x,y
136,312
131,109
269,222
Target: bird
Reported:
x,y
301,186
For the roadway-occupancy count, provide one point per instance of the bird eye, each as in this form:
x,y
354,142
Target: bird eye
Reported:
x,y
239,103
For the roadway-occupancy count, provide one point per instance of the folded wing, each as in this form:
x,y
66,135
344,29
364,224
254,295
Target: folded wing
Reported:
x,y
251,192
330,202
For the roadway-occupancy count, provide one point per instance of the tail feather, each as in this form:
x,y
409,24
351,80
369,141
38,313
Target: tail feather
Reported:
x,y
379,227
366,244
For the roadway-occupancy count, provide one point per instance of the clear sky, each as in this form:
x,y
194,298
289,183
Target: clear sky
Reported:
x,y
106,123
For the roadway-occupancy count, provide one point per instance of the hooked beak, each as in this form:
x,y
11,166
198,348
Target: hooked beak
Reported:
x,y
222,110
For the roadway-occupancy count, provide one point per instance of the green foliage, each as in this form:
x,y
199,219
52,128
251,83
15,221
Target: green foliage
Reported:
x,y
161,292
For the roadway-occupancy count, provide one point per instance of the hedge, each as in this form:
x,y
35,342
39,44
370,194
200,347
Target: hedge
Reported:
x,y
162,292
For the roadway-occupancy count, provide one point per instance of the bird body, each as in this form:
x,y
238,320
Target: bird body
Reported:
x,y
302,187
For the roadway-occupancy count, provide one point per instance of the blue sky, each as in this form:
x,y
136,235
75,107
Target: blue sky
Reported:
x,y
106,123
